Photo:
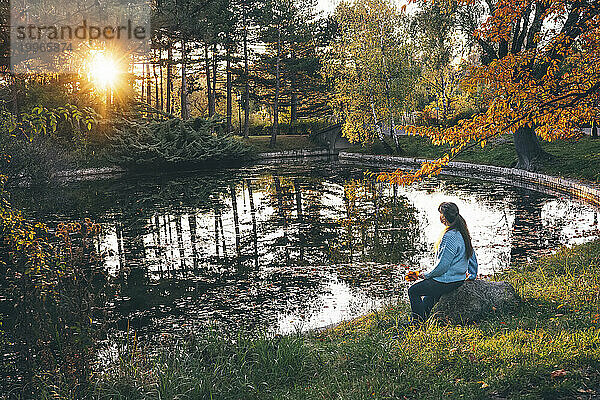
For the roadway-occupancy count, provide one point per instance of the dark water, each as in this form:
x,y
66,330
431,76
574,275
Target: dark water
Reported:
x,y
286,248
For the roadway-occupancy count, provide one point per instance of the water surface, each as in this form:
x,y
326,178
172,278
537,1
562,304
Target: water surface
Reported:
x,y
287,248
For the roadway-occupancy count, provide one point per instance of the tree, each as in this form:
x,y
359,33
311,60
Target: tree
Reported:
x,y
302,65
434,26
245,16
539,74
371,69
274,33
4,36
286,73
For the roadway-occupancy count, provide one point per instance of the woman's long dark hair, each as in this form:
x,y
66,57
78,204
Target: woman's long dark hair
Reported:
x,y
456,221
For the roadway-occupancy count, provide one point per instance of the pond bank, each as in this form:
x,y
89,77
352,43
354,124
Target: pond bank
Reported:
x,y
548,348
548,184
512,176
268,157
572,158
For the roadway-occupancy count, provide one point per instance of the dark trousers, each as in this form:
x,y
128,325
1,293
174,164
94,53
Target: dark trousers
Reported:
x,y
424,294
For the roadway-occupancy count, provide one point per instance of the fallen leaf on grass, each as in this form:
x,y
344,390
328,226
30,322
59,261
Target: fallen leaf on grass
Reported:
x,y
558,373
412,276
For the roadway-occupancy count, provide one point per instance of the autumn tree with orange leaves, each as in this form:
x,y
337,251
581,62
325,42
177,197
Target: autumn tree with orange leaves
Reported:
x,y
540,73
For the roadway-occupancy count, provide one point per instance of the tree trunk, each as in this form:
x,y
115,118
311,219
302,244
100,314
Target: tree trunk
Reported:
x,y
294,111
254,227
275,130
594,130
293,101
216,235
379,129
293,106
184,87
214,74
169,77
528,148
193,238
396,135
222,234
246,82
229,88
444,110
162,81
15,95
281,206
211,99
236,221
179,233
156,103
148,85
143,88
301,238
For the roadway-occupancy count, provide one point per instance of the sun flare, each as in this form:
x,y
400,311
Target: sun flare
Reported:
x,y
103,70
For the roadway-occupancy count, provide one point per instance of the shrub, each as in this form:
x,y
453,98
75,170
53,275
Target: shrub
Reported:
x,y
35,145
174,144
50,293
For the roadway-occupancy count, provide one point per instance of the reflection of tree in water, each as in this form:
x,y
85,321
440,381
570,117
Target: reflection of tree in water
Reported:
x,y
378,227
225,285
301,216
529,237
244,248
158,210
177,273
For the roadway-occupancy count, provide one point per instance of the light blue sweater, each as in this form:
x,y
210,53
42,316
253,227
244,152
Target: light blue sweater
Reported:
x,y
451,264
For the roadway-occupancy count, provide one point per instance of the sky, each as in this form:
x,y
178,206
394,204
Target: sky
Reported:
x,y
327,5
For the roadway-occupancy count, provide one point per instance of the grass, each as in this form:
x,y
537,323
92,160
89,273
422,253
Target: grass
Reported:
x,y
517,356
284,142
579,159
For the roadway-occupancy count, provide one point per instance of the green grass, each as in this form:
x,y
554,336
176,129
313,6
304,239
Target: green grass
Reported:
x,y
556,327
579,159
284,142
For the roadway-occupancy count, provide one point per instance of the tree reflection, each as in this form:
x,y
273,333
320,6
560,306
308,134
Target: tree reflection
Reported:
x,y
528,236
294,232
254,226
387,224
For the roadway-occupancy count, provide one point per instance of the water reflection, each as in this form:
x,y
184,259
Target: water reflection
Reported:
x,y
294,248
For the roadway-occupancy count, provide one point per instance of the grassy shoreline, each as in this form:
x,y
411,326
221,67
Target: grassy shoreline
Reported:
x,y
548,348
574,158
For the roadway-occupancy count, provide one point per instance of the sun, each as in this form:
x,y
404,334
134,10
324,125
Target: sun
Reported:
x,y
103,70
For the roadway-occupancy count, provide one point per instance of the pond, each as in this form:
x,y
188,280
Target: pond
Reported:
x,y
289,248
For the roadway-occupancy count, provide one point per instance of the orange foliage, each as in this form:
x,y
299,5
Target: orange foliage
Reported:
x,y
412,276
550,82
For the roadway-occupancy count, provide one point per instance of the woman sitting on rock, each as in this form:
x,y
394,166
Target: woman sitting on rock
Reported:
x,y
455,262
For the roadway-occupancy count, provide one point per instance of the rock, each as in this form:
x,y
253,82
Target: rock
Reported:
x,y
476,300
